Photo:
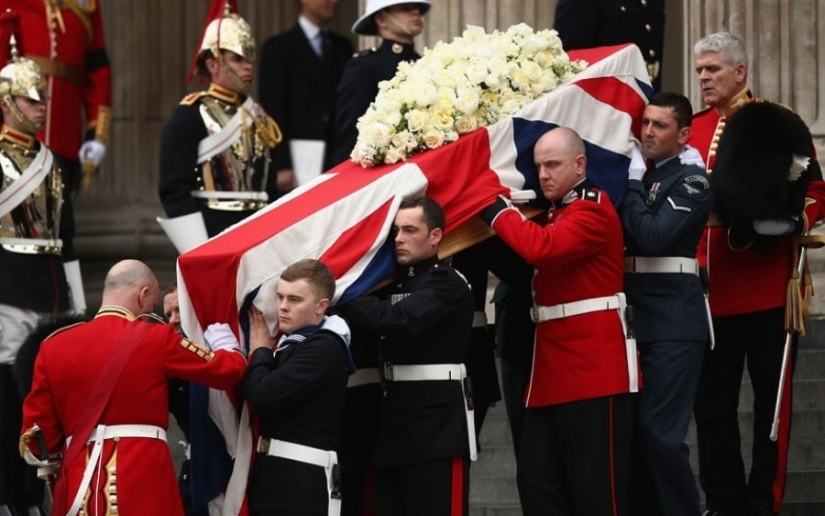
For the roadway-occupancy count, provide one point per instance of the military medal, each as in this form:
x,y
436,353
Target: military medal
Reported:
x,y
654,191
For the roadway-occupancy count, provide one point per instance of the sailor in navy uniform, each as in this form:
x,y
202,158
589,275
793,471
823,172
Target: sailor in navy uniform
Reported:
x,y
397,22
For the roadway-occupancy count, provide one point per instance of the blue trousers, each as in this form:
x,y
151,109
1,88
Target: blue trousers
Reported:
x,y
670,370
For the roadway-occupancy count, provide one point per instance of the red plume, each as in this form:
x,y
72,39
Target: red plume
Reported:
x,y
216,12
9,26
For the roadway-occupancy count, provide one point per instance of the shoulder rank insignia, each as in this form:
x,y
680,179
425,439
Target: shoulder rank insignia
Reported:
x,y
192,98
696,181
206,354
592,195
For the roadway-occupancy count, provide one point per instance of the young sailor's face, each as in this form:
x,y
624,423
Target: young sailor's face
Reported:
x,y
298,306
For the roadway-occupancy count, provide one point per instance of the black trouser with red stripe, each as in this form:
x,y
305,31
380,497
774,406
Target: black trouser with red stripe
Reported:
x,y
436,488
575,457
757,338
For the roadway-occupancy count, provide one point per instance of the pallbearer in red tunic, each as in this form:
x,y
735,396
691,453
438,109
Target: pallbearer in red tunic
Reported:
x,y
575,451
105,382
755,168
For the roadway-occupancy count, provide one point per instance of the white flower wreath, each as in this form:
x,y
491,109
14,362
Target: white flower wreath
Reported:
x,y
457,87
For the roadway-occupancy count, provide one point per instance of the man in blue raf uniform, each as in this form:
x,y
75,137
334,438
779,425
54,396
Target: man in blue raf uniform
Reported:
x,y
663,217
425,436
398,23
596,23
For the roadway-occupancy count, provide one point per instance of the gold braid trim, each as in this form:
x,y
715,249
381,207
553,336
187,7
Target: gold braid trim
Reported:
x,y
799,290
265,128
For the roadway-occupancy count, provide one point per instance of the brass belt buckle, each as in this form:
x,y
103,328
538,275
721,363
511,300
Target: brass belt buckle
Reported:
x,y
630,264
534,313
263,445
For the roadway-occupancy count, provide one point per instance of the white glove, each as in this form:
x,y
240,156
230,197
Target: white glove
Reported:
x,y
637,167
773,227
691,156
92,150
219,336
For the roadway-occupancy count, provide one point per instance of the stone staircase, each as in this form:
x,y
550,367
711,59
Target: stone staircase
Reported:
x,y
493,484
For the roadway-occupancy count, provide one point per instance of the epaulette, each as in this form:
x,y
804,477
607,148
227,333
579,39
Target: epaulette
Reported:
x,y
191,98
592,195
365,52
151,318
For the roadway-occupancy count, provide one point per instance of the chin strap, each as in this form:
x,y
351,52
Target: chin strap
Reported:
x,y
28,125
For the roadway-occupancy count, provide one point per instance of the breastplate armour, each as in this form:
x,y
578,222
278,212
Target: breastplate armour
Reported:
x,y
38,216
241,167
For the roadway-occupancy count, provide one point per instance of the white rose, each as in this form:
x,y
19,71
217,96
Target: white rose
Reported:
x,y
441,118
477,73
432,138
466,124
425,94
378,134
467,101
415,120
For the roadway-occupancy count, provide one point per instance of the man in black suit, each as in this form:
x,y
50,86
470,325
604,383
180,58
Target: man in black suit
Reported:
x,y
299,71
398,22
596,23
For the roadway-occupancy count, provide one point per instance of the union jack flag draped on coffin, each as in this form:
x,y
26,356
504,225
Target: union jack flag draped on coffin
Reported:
x,y
344,216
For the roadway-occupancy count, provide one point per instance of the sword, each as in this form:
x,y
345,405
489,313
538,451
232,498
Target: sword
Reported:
x,y
804,242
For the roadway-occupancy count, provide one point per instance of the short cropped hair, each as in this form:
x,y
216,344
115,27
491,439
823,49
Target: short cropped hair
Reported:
x,y
682,110
433,213
730,47
320,278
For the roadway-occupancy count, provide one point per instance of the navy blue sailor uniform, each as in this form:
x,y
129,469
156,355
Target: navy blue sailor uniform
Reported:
x,y
359,86
298,393
424,437
663,218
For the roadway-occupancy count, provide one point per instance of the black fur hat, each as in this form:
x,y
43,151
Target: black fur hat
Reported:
x,y
751,177
23,366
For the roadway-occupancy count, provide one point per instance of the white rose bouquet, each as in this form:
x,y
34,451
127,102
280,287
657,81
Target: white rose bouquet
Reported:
x,y
457,87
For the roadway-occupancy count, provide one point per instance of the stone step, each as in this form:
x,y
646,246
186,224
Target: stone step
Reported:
x,y
805,424
493,490
788,509
804,455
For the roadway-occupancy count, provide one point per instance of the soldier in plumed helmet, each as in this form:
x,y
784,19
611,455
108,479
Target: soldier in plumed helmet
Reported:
x,y
32,223
214,151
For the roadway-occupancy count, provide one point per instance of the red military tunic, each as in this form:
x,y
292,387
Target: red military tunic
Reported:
x,y
65,38
137,473
577,255
743,281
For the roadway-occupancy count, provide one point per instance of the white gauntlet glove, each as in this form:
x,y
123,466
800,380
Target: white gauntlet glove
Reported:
x,y
774,227
691,156
92,150
219,336
637,167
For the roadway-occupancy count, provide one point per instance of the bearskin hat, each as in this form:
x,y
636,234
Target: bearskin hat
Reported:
x,y
760,171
